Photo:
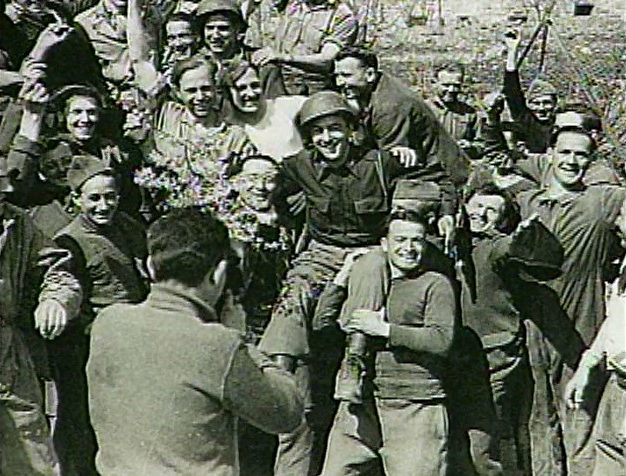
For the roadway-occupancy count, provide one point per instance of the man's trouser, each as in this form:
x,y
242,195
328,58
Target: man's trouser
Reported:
x,y
473,439
511,385
73,435
300,453
610,440
561,440
25,445
410,437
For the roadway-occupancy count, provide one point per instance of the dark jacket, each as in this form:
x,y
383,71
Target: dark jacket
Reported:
x,y
107,261
346,206
52,160
534,134
396,116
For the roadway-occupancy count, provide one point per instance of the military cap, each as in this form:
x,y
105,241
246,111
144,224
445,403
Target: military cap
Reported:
x,y
229,7
541,87
537,250
323,103
84,167
417,196
417,190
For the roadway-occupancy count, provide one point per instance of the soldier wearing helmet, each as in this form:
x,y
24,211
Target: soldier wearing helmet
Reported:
x,y
348,190
222,29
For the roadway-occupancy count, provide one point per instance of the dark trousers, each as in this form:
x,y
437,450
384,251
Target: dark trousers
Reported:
x,y
25,446
73,436
561,439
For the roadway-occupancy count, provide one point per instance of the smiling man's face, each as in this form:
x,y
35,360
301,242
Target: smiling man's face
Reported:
x,y
330,135
571,158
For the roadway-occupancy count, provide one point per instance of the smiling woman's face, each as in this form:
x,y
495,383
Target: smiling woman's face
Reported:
x,y
247,92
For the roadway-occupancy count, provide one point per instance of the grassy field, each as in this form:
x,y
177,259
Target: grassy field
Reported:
x,y
585,56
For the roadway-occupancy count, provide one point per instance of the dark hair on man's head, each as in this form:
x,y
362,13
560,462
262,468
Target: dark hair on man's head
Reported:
x,y
186,244
180,16
61,98
451,67
367,57
511,214
236,69
190,64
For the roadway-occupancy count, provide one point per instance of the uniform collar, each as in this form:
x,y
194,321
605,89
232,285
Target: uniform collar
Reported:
x,y
169,298
324,170
544,197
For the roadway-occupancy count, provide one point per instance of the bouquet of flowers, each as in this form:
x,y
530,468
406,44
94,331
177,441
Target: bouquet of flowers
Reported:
x,y
197,174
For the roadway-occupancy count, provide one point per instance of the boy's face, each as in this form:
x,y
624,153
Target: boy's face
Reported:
x,y
99,199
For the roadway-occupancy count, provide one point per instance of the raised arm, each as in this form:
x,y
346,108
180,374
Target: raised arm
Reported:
x,y
140,49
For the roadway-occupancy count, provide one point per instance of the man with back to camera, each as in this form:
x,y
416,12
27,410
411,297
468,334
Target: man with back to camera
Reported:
x,y
167,381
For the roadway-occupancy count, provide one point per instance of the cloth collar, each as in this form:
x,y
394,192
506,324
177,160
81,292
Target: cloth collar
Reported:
x,y
168,298
92,227
189,120
544,197
324,170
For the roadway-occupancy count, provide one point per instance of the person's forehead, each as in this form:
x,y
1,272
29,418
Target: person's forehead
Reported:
x,y
197,75
576,139
177,26
406,228
332,119
219,19
449,77
486,199
99,184
254,166
250,76
349,63
82,102
542,98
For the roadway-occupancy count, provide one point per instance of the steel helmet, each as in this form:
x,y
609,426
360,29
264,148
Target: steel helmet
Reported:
x,y
322,104
229,7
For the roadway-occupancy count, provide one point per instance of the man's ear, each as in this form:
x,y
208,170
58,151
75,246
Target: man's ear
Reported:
x,y
384,244
75,200
219,276
370,74
150,268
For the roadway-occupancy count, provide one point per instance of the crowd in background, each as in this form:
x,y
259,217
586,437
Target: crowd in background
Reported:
x,y
218,259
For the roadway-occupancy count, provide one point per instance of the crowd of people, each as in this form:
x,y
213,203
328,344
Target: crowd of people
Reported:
x,y
224,260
